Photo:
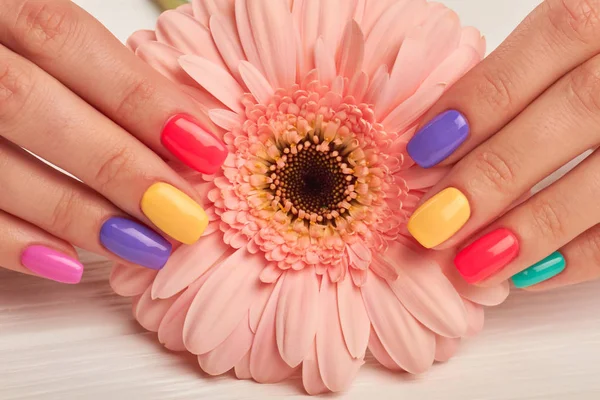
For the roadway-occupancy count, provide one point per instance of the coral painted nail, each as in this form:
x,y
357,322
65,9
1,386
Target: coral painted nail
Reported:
x,y
193,144
52,264
487,255
437,140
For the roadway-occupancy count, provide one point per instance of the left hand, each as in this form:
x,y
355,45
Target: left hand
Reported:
x,y
529,108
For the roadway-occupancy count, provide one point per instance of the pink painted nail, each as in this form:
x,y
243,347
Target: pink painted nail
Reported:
x,y
52,264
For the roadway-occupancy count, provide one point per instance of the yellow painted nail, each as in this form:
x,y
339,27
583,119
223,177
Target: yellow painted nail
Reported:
x,y
174,212
439,218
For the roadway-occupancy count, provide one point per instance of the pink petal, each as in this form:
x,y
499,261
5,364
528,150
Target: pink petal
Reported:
x,y
486,296
333,17
359,277
311,376
186,9
242,368
204,9
352,51
131,280
412,109
226,119
380,353
420,178
226,355
408,343
140,37
454,67
472,37
338,367
215,80
353,318
270,273
256,82
223,301
374,9
227,41
384,267
271,24
266,364
325,62
377,86
427,294
188,263
246,35
164,59
475,318
306,18
297,315
259,304
149,313
187,35
445,348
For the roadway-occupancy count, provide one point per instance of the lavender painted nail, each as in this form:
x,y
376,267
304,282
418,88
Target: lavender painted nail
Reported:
x,y
135,242
437,140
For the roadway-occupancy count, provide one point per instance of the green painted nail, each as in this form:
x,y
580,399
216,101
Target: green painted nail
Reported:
x,y
541,271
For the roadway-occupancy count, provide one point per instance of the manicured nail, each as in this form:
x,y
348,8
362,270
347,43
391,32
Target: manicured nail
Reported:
x,y
174,212
437,140
541,271
487,255
135,242
51,264
193,144
439,218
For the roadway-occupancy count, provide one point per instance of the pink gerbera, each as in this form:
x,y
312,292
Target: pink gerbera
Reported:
x,y
307,261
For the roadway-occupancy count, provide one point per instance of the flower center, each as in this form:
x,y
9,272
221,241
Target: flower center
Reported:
x,y
312,180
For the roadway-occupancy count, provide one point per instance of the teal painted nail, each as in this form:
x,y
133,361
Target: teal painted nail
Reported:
x,y
541,271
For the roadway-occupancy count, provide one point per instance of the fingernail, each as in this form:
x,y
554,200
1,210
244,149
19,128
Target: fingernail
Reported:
x,y
487,255
51,264
174,212
439,218
194,145
541,271
135,243
437,140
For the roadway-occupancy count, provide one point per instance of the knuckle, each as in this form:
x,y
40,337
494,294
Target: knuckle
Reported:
x,y
111,167
15,87
584,88
136,96
547,219
496,87
493,171
45,27
62,219
591,249
575,19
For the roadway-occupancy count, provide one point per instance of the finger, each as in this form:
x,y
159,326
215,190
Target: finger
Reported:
x,y
38,113
554,39
65,208
75,48
563,122
582,256
27,249
535,229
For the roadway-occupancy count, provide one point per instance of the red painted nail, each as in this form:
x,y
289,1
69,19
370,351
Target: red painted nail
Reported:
x,y
487,255
194,145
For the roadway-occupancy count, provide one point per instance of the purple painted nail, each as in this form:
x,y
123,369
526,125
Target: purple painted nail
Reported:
x,y
135,242
438,139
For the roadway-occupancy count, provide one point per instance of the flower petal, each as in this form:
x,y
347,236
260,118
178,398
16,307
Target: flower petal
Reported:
x,y
352,51
266,364
215,80
453,67
380,353
149,313
131,280
204,9
412,109
271,23
426,293
164,59
325,62
338,367
242,368
311,376
226,355
228,43
225,119
259,304
475,317
222,301
445,348
140,37
408,343
260,88
187,35
354,319
188,263
421,178
486,296
297,315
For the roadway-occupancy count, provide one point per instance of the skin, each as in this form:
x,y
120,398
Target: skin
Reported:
x,y
71,93
533,105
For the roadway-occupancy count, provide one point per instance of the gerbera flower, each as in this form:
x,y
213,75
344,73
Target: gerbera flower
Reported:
x,y
307,262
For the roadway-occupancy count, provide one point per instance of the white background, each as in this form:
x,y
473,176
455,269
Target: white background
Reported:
x,y
60,342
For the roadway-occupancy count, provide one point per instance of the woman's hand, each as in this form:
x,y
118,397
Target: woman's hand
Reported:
x,y
526,110
73,95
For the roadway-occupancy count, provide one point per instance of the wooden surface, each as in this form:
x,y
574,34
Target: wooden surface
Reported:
x,y
80,342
